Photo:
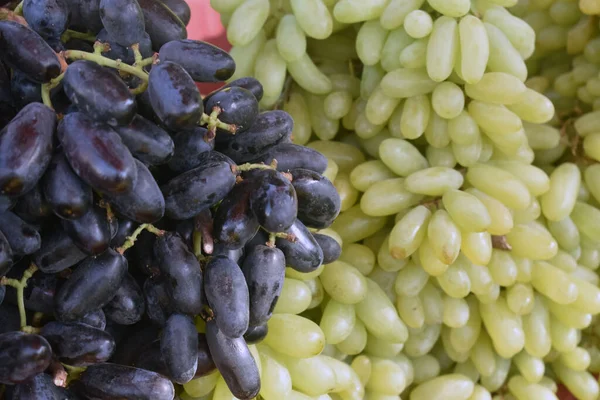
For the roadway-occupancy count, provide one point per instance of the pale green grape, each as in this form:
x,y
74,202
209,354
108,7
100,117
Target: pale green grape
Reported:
x,y
344,283
448,100
349,11
536,326
247,21
414,55
297,108
308,77
520,34
401,156
533,107
474,49
396,41
436,133
483,355
270,69
444,237
553,283
380,106
291,40
335,106
465,337
294,336
409,232
523,390
295,297
388,197
203,385
348,194
418,24
466,210
313,17
494,119
411,311
415,116
463,129
276,382
337,321
356,341
245,56
396,12
503,57
456,312
426,368
497,88
531,368
445,387
410,280
499,184
387,377
405,82
370,41
581,383
455,281
359,256
346,156
442,45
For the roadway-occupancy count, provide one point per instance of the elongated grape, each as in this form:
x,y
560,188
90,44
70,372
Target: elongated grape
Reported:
x,y
95,319
179,8
128,305
146,141
123,20
236,106
158,302
318,202
179,348
330,247
49,18
203,61
304,253
234,223
40,387
189,147
161,23
22,237
273,200
290,156
91,233
23,356
57,253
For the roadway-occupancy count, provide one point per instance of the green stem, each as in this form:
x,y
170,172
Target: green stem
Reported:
x,y
137,54
20,288
106,62
130,241
250,166
47,87
71,34
19,8
197,239
213,122
144,63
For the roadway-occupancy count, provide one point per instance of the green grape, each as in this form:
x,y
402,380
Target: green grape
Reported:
x,y
450,387
396,12
344,283
313,17
370,41
369,173
442,45
448,100
295,297
290,38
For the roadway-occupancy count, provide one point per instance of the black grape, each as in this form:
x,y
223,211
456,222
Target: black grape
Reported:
x,y
186,229
6,255
26,148
107,100
125,229
95,319
290,156
161,23
235,255
269,128
41,387
256,334
68,196
97,154
198,189
158,303
151,359
39,294
128,305
330,247
6,203
203,61
23,49
237,106
22,237
123,20
58,252
174,96
112,381
33,207
144,203
234,222
24,90
179,8
78,344
227,295
124,53
179,348
142,254
273,200
147,142
235,362
206,365
189,144
264,269
318,201
49,18
91,286
182,272
304,253
91,232
248,83
85,15
22,356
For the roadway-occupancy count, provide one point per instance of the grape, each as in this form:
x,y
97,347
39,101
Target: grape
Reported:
x,y
174,96
227,295
95,319
123,20
40,291
304,253
97,154
290,156
181,268
32,206
22,237
109,100
179,8
90,232
40,387
91,286
256,334
26,149
146,141
25,50
179,348
49,18
124,53
248,83
85,15
24,90
319,203
329,246
57,253
23,356
158,303
273,200
105,381
128,305
161,24
6,203
189,147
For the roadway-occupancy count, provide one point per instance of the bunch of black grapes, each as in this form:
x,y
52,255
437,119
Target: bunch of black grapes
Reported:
x,y
96,153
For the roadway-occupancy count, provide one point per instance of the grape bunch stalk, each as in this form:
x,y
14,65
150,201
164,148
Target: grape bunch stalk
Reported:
x,y
146,232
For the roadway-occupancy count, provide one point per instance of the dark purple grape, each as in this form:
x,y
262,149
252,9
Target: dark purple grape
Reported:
x,y
68,196
22,237
189,145
128,305
85,15
6,255
151,359
78,344
182,273
248,83
142,254
6,203
91,232
179,348
203,61
161,23
39,294
198,189
95,319
26,148
330,247
235,223
147,142
158,302
318,201
227,295
273,200
235,255
256,334
304,253
269,128
58,252
235,362
112,381
291,156
41,387
22,356
49,18
145,203
99,92
23,49
185,229
123,20
97,154
125,228
236,105
56,44
33,207
264,269
179,8
124,53
174,96
24,90
91,286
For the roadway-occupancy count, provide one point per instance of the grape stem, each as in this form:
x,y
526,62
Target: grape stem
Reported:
x,y
109,213
501,243
203,224
197,245
282,235
73,372
249,166
19,8
213,123
130,241
59,374
20,286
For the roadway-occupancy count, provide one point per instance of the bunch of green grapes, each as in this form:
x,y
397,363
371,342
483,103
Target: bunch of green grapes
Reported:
x,y
463,137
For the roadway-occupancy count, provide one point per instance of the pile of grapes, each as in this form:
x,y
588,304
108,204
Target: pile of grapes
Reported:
x,y
463,137
144,230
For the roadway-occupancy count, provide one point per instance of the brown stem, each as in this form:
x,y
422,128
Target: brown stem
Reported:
x,y
500,243
59,374
203,223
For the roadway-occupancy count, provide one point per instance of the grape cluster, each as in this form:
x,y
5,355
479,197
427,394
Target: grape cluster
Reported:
x,y
462,137
145,231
